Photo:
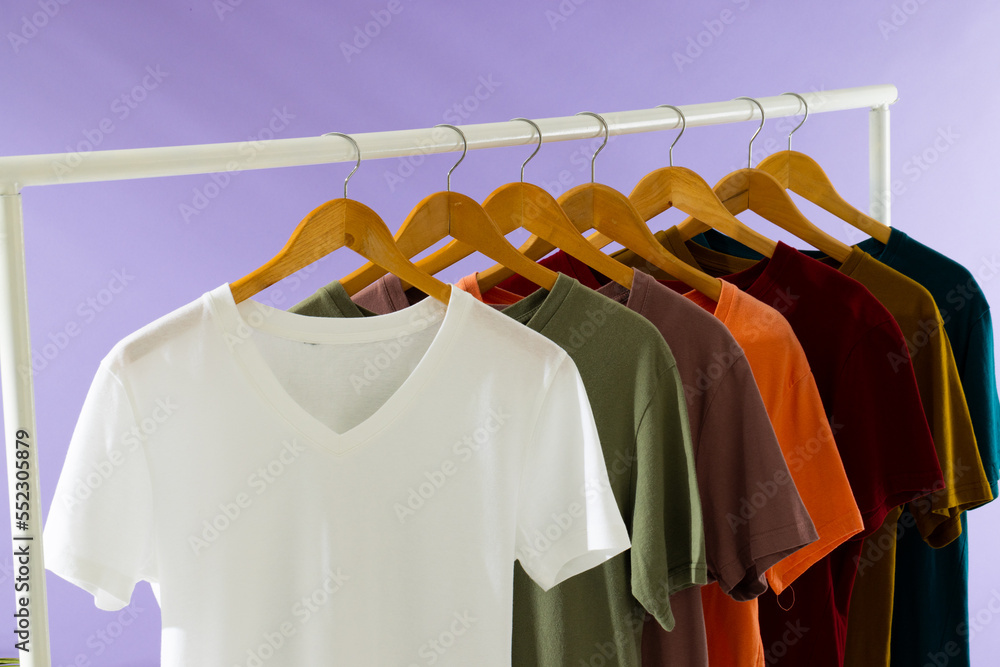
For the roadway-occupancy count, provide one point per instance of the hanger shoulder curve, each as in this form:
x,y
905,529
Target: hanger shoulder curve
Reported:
x,y
472,225
802,175
613,215
686,190
455,251
330,226
758,191
425,225
448,213
531,207
321,232
771,201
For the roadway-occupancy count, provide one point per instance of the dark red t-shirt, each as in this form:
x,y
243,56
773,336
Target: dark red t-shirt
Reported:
x,y
558,261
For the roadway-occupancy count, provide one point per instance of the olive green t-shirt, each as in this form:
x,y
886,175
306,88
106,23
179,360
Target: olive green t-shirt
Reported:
x,y
638,403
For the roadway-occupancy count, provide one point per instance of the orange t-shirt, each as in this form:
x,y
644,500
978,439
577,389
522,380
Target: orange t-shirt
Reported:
x,y
796,411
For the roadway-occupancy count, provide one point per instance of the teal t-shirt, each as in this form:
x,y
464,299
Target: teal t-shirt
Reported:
x,y
637,398
930,618
931,622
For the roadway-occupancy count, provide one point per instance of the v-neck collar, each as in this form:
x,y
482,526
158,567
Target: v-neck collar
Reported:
x,y
534,311
237,321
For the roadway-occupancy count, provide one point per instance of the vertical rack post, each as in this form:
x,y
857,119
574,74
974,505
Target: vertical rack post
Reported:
x,y
31,605
880,184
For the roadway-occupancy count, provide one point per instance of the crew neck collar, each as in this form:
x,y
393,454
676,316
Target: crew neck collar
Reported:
x,y
537,309
759,278
885,252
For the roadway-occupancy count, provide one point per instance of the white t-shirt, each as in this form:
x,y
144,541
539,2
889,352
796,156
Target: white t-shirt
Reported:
x,y
306,491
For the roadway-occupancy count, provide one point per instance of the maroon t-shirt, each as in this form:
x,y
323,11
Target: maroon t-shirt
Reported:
x,y
853,346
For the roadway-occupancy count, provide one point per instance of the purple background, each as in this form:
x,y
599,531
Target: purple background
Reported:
x,y
228,67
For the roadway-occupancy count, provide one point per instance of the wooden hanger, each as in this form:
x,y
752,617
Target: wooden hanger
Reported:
x,y
336,224
524,205
758,191
540,213
613,215
537,247
802,175
445,214
685,190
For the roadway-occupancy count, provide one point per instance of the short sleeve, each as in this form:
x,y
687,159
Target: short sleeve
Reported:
x,y
938,515
880,427
814,462
567,517
756,515
99,530
978,370
668,538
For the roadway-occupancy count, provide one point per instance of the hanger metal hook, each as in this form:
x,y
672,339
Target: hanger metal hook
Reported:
x,y
802,122
759,128
465,149
356,148
537,148
607,135
683,127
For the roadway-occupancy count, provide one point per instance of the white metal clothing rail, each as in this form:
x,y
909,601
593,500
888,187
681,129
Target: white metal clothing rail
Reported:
x,y
31,616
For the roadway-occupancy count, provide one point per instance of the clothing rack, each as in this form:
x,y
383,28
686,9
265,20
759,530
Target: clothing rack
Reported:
x,y
31,611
